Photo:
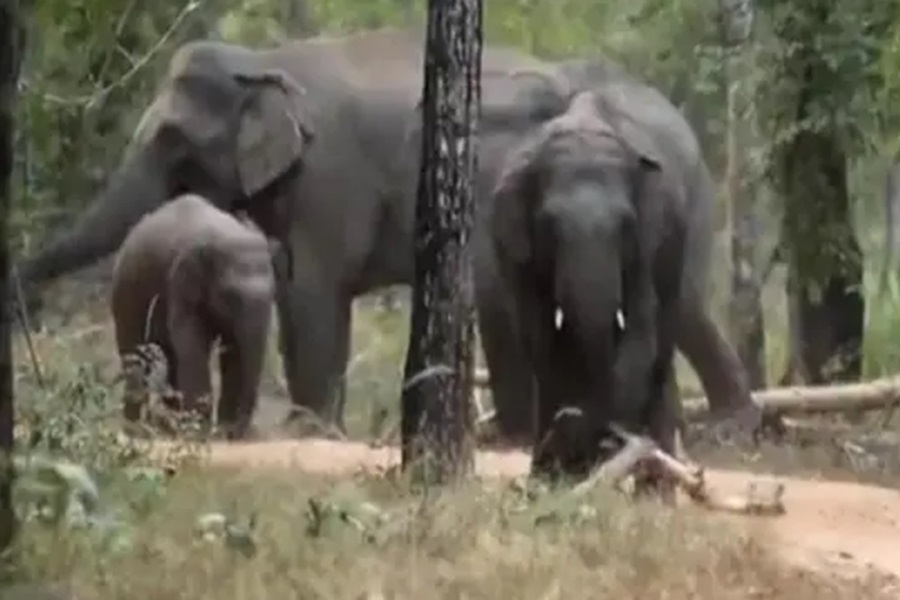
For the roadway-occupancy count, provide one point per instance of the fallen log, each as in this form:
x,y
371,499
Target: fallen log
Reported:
x,y
871,395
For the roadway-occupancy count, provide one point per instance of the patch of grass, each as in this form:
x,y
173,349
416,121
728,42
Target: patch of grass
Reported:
x,y
473,542
480,541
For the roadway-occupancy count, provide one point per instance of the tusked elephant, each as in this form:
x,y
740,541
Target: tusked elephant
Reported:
x,y
515,107
588,223
346,216
188,275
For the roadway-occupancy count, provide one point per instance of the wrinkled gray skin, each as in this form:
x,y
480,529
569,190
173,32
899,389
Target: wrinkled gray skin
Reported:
x,y
587,220
187,275
649,121
346,217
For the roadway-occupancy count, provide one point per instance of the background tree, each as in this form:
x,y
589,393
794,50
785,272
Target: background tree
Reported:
x,y
11,43
437,419
820,69
741,186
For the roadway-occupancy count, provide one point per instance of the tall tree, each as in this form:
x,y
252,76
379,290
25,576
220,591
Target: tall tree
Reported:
x,y
817,74
745,306
437,417
11,42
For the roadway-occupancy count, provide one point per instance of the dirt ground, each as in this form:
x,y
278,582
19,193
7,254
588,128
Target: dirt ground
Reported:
x,y
838,527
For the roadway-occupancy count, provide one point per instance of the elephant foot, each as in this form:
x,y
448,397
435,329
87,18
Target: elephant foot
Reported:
x,y
506,441
743,427
301,422
239,433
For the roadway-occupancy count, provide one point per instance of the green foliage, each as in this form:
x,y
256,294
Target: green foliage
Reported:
x,y
833,54
89,67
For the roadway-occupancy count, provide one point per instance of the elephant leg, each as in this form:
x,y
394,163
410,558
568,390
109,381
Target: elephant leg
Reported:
x,y
241,364
314,326
342,359
135,326
512,388
192,345
720,369
544,453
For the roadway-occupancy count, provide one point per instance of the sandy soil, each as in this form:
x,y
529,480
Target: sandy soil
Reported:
x,y
839,527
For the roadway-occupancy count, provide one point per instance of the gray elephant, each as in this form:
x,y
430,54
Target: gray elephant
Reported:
x,y
230,124
188,275
588,225
234,125
515,106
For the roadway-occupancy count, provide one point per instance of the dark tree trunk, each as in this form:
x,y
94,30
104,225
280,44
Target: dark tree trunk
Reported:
x,y
824,261
11,39
437,416
745,306
823,255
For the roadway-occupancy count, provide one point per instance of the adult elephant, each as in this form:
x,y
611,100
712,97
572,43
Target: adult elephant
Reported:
x,y
232,124
588,223
508,123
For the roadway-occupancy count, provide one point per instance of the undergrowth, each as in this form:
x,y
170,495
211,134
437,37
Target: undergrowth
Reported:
x,y
107,518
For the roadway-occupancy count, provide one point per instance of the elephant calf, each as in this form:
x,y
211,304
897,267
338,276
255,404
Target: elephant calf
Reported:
x,y
189,274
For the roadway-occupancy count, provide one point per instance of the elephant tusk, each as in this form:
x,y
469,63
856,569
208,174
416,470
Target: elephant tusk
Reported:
x,y
558,318
620,319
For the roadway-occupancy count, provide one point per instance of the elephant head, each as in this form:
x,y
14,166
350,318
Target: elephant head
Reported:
x,y
572,222
225,124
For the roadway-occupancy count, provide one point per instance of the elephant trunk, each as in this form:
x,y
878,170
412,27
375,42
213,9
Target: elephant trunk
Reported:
x,y
588,297
135,189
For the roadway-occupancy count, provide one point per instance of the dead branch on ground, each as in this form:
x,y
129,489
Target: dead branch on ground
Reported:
x,y
757,500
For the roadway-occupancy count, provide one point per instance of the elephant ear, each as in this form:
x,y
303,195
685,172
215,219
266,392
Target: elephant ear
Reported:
x,y
514,199
273,130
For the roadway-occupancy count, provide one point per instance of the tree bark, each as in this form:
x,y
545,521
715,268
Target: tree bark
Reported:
x,y
11,39
745,305
891,224
437,417
823,254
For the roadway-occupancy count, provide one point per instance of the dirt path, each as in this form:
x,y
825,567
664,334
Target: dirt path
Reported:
x,y
828,525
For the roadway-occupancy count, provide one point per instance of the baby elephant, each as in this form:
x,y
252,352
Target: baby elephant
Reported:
x,y
189,274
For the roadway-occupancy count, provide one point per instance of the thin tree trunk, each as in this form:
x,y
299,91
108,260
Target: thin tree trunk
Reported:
x,y
745,306
891,224
10,57
437,421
